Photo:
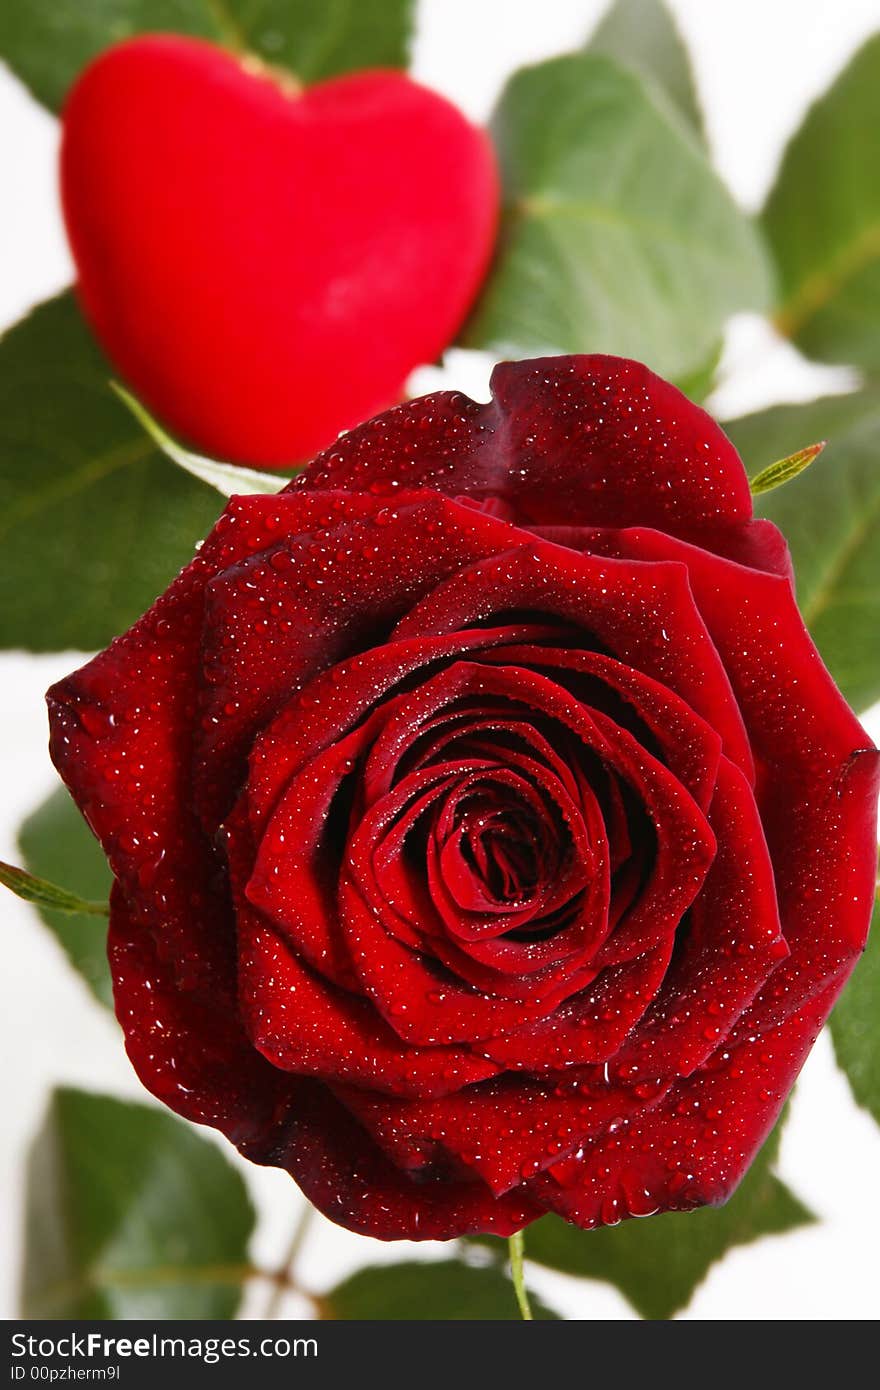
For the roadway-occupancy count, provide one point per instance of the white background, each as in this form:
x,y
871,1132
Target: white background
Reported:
x,y
759,65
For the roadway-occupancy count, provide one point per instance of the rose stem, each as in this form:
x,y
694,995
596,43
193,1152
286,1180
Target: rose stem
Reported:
x,y
516,1247
283,1278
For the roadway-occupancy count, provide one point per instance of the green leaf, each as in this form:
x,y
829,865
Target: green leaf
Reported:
x,y
56,842
617,236
448,1290
855,1025
699,383
658,1263
642,34
324,40
130,1215
228,479
48,42
832,523
822,221
94,521
784,470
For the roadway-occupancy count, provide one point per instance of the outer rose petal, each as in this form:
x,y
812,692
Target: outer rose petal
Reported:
x,y
599,438
198,1062
592,1026
756,544
307,1026
825,895
339,573
351,1181
818,773
733,942
505,1130
644,615
192,1053
122,739
695,1145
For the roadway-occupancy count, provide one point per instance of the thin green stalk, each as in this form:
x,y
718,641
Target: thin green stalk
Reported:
x,y
285,1277
516,1246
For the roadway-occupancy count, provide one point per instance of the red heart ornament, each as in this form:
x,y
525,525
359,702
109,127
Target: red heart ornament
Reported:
x,y
266,265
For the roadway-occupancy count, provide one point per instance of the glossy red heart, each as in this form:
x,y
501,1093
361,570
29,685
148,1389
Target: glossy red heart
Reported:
x,y
265,265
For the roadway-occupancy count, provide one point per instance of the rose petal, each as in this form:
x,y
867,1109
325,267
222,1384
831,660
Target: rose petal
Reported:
x,y
505,1130
644,615
732,944
818,773
688,746
590,1026
337,577
695,1145
348,1178
421,1000
599,438
303,1024
191,1052
122,738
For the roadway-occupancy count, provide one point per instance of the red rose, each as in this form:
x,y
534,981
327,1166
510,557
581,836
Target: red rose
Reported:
x,y
489,836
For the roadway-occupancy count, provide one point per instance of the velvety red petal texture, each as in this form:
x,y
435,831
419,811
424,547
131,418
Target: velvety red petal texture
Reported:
x,y
488,835
598,438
